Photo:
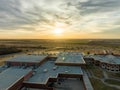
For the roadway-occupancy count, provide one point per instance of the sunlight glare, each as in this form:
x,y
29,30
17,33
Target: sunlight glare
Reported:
x,y
58,31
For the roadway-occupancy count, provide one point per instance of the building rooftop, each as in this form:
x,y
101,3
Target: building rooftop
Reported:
x,y
28,58
10,76
70,57
50,70
106,58
87,82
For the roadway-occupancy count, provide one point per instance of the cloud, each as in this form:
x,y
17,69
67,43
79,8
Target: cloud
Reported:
x,y
78,16
98,6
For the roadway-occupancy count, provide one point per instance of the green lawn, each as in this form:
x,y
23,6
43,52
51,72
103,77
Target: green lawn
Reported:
x,y
114,75
98,85
96,71
115,82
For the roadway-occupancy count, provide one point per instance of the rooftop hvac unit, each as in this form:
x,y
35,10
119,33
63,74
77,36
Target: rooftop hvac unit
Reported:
x,y
66,71
33,73
54,68
45,70
63,58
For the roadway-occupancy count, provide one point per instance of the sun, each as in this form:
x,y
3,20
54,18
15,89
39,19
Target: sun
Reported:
x,y
58,31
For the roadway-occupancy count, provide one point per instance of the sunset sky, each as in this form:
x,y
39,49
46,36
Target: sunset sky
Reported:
x,y
59,19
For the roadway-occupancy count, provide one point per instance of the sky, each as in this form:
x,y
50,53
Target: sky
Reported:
x,y
59,19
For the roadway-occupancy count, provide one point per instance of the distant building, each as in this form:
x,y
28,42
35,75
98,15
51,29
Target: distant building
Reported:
x,y
108,62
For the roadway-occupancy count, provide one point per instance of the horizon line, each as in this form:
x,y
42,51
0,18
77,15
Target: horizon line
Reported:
x,y
59,39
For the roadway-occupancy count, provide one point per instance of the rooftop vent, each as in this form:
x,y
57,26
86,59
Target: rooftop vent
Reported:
x,y
45,70
66,71
33,73
54,68
63,58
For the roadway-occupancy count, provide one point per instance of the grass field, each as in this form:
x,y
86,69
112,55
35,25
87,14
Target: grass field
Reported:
x,y
115,82
1,63
98,85
86,45
95,70
114,75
